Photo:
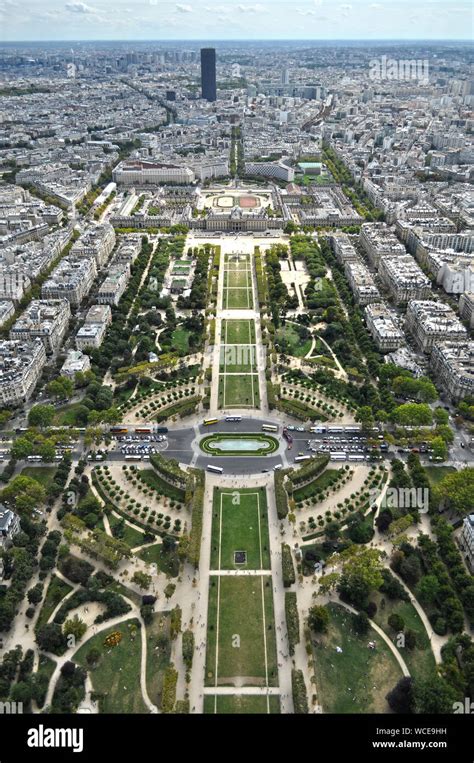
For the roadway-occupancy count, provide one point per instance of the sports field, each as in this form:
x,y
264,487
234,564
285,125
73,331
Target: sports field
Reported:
x,y
233,704
241,642
240,524
237,292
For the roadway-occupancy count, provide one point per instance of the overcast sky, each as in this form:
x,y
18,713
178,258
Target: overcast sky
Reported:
x,y
231,19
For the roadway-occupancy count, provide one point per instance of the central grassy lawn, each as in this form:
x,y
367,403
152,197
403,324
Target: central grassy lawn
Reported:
x,y
357,679
238,299
420,661
66,416
238,391
238,332
294,344
237,358
180,339
117,676
56,591
42,474
246,644
320,483
240,523
236,278
234,704
167,563
153,480
131,535
158,654
437,473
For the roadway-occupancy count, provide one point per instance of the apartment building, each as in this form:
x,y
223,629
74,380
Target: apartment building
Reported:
x,y
71,280
343,249
21,364
466,308
453,365
7,311
112,288
277,170
466,541
90,335
9,526
361,283
99,314
97,243
46,319
14,283
404,278
430,322
381,323
378,241
76,362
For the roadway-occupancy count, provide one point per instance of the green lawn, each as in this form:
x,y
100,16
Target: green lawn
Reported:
x,y
131,536
246,646
56,591
157,655
180,339
420,661
167,563
357,679
320,483
239,391
153,480
117,676
234,704
238,332
436,473
66,416
291,343
237,299
235,279
240,523
42,474
237,358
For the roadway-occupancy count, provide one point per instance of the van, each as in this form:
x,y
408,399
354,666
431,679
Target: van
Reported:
x,y
276,467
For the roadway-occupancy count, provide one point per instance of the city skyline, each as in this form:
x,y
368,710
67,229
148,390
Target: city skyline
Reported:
x,y
166,20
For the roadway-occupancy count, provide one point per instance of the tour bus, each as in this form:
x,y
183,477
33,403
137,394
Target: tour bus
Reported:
x,y
269,428
216,469
318,430
233,418
34,458
338,456
352,430
356,458
118,430
133,457
143,430
333,430
302,458
208,422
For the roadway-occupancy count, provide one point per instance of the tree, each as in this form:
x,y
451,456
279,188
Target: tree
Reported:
x,y
61,387
50,638
434,695
47,451
141,579
318,619
169,590
41,415
396,622
413,414
365,416
428,589
75,627
361,623
23,493
410,569
93,656
440,449
400,699
361,573
441,416
455,491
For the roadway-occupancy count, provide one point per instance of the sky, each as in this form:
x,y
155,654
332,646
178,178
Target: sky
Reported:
x,y
235,20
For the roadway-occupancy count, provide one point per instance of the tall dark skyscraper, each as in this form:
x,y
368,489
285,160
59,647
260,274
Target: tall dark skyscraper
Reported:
x,y
208,74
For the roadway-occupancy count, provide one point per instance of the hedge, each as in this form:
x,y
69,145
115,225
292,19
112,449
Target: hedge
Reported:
x,y
292,620
168,695
197,508
288,569
300,699
310,470
281,497
188,648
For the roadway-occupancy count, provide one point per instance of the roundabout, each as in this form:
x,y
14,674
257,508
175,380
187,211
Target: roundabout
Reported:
x,y
222,444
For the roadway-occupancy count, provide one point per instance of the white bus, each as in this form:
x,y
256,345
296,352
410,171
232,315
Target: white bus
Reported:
x,y
338,456
350,430
215,469
269,428
133,457
317,430
302,458
233,418
34,458
331,430
356,458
